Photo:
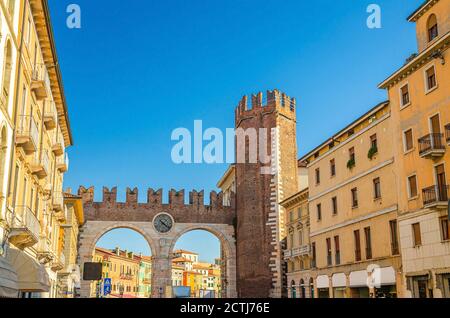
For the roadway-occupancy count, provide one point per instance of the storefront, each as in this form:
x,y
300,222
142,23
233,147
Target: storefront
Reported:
x,y
8,280
32,278
444,284
323,286
384,282
358,284
339,282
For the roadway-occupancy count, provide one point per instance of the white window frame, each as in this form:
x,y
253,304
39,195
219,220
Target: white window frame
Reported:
x,y
406,151
425,77
403,106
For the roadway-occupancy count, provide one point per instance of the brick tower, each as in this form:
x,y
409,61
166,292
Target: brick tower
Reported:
x,y
259,189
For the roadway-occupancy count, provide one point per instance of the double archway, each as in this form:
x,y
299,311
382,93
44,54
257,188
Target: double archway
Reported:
x,y
162,247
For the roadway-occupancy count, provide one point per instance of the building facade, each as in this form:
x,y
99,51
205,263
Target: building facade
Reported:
x,y
35,162
69,277
353,212
298,251
420,108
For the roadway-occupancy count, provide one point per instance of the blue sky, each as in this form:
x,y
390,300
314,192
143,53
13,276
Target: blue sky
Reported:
x,y
138,69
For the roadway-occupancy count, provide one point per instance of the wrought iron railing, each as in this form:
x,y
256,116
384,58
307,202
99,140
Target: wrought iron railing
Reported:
x,y
431,142
28,127
447,132
435,194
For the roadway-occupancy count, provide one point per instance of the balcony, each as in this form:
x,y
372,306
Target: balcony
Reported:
x,y
58,143
40,166
40,81
126,277
27,134
431,146
44,252
301,251
58,206
287,254
447,134
436,196
25,229
62,163
50,115
58,263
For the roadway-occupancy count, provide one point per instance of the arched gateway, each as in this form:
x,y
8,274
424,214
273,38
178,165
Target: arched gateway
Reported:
x,y
161,225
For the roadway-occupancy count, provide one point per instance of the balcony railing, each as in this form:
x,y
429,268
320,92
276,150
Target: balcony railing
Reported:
x,y
27,133
431,145
25,229
50,115
62,163
302,250
44,252
447,133
40,81
41,165
436,195
58,143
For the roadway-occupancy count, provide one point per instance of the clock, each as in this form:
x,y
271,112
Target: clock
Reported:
x,y
163,223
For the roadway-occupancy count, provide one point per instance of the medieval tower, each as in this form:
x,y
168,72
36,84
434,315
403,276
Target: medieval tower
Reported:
x,y
260,186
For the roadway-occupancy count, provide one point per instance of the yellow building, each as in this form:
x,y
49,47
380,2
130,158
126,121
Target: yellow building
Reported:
x,y
123,268
353,210
33,105
420,108
298,247
69,277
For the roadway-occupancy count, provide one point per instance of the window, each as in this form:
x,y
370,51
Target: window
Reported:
x,y
317,176
377,188
334,205
408,140
351,153
329,256
432,28
319,212
333,167
404,95
394,237
337,250
354,198
374,141
357,245
430,78
417,237
313,261
412,186
368,243
445,228
28,32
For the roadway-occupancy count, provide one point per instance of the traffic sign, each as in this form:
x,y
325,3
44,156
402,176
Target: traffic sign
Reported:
x,y
106,286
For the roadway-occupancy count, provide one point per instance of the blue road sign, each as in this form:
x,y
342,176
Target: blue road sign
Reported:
x,y
107,286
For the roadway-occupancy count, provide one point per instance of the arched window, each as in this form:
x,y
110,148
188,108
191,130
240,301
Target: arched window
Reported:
x,y
293,290
302,289
7,68
432,28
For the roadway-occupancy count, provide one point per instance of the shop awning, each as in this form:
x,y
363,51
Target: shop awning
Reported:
x,y
323,281
339,280
8,280
31,276
358,279
384,276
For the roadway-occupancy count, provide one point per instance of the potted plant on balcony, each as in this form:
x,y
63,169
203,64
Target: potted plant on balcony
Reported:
x,y
372,152
351,163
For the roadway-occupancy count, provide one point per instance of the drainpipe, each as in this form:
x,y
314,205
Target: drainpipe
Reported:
x,y
15,107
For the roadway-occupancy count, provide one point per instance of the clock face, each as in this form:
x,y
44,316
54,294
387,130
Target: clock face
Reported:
x,y
163,223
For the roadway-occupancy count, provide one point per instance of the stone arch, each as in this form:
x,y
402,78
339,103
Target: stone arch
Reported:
x,y
92,231
225,235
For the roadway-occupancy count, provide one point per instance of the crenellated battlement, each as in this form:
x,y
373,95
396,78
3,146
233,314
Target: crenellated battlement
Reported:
x,y
273,100
154,197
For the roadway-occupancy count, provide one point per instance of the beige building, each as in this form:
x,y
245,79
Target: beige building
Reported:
x,y
69,277
32,199
298,252
420,110
353,210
